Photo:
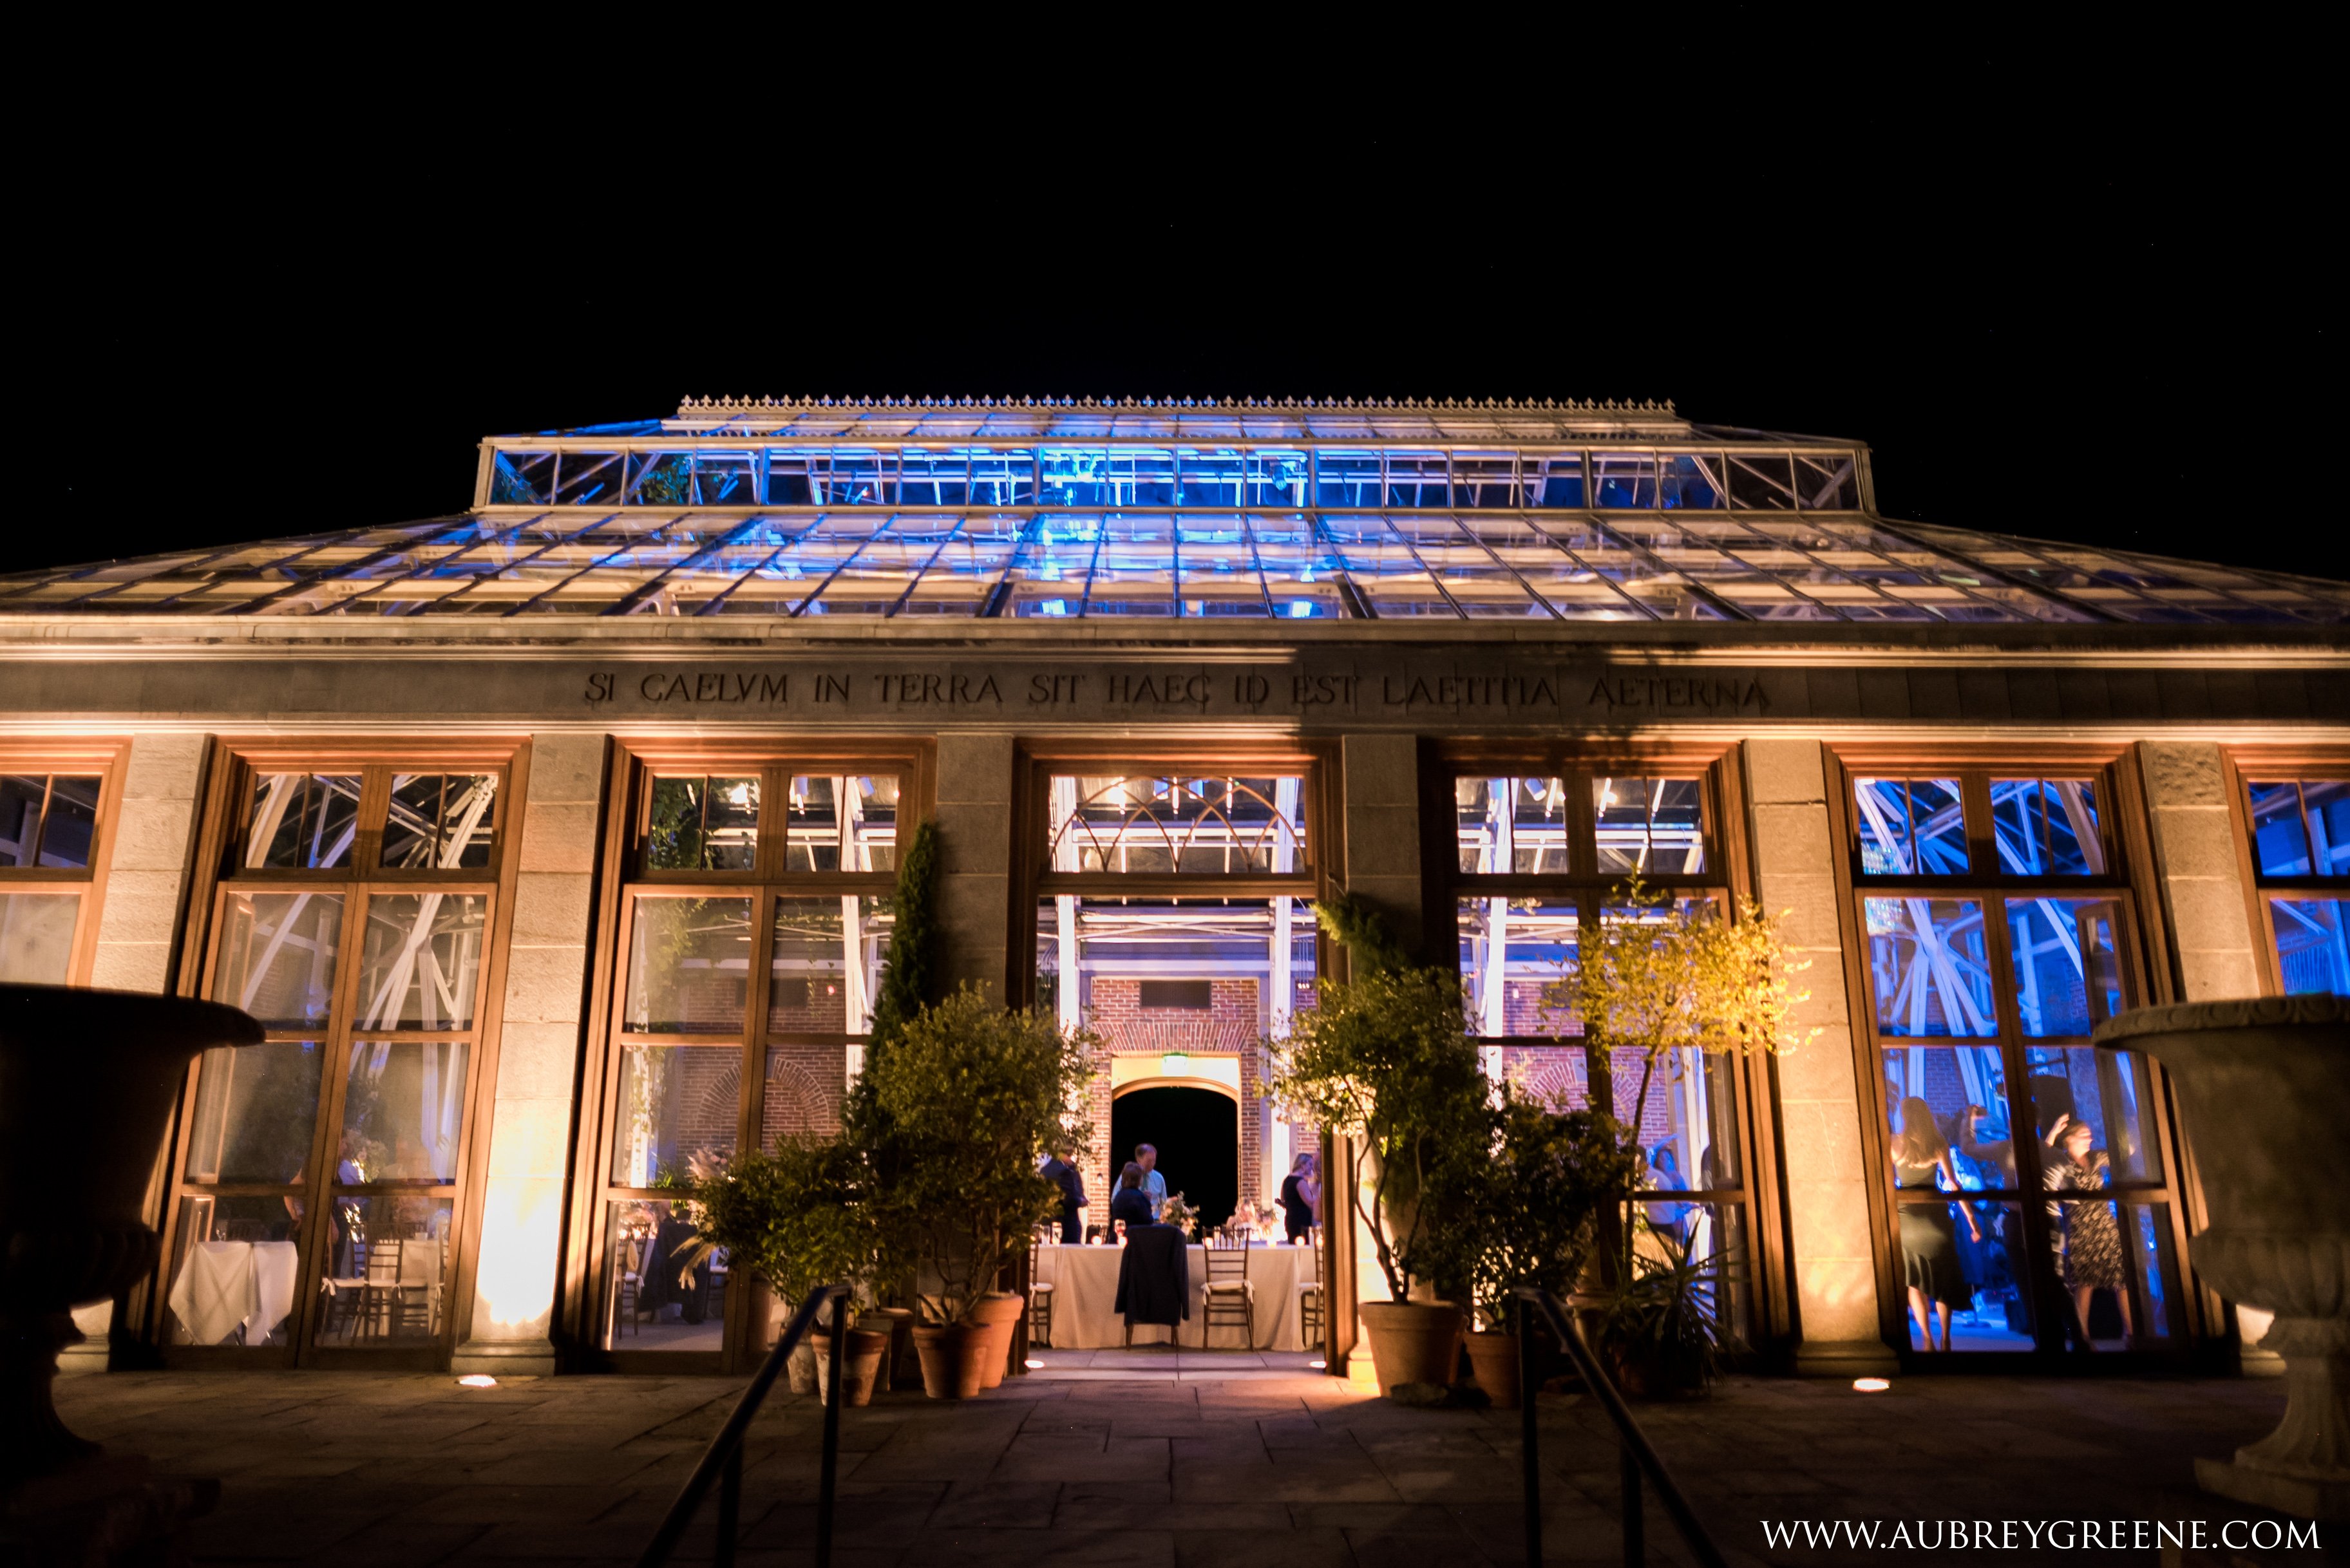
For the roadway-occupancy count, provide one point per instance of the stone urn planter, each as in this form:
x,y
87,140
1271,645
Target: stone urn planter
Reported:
x,y
87,1079
1412,1342
2263,1091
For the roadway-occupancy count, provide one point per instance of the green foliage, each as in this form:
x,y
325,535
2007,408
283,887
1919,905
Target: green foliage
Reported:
x,y
1531,1210
799,1218
1349,921
913,941
668,483
961,1108
1387,1057
1661,1322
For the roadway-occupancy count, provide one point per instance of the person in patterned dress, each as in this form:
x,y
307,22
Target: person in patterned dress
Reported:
x,y
2093,1238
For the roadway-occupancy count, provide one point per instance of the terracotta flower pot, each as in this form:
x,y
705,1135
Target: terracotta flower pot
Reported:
x,y
903,1369
1493,1356
1412,1342
2263,1088
999,1313
951,1354
860,1364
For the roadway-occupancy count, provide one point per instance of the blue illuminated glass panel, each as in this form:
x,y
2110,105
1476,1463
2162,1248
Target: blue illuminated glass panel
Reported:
x,y
1911,827
2047,828
1930,967
2067,977
2313,943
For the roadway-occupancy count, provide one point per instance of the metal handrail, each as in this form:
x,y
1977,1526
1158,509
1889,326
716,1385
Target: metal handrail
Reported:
x,y
1635,1454
722,1461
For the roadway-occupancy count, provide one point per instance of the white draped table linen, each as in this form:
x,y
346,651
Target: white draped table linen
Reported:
x,y
1085,1297
225,1285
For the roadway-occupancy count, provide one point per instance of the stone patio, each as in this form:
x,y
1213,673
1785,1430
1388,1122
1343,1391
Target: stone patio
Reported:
x,y
1111,1458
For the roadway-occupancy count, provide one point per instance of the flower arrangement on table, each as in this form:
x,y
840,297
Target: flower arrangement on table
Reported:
x,y
1184,1217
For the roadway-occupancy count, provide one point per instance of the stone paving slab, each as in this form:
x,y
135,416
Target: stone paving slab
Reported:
x,y
1277,1467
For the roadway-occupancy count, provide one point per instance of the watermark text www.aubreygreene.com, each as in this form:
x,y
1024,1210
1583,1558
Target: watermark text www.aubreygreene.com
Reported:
x,y
2039,1534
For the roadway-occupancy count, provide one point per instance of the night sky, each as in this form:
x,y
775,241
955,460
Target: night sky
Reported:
x,y
2059,293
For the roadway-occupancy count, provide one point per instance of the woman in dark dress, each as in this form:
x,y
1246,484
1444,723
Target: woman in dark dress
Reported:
x,y
1930,1240
1299,1194
1129,1202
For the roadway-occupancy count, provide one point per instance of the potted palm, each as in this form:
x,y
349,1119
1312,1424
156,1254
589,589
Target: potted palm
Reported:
x,y
957,1112
1658,978
1385,1059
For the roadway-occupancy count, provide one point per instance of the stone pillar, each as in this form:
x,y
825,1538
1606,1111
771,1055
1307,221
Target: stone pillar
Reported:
x,y
1820,1103
2196,862
2206,912
139,915
975,834
1381,796
518,1260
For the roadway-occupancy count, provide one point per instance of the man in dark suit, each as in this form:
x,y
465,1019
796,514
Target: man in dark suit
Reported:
x,y
1072,1183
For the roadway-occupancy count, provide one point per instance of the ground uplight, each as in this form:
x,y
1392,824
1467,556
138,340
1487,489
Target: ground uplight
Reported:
x,y
1035,1366
477,1380
1320,1365
1869,1384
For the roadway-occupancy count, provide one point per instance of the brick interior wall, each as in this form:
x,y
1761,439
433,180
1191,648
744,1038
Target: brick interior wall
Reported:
x,y
1229,1027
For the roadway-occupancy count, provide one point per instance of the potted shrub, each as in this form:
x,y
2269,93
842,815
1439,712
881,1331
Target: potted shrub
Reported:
x,y
1535,1219
1658,976
958,1110
799,1218
1385,1058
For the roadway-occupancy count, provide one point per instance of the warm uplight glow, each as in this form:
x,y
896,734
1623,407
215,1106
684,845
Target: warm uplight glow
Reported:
x,y
1869,1384
477,1380
1033,1365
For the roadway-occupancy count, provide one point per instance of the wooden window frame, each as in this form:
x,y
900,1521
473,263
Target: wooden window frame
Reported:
x,y
108,760
2141,948
633,763
232,764
2238,766
1729,875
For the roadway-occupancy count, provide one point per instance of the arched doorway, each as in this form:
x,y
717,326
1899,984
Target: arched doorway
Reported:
x,y
1197,1133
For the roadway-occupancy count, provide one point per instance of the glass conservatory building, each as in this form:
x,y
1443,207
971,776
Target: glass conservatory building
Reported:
x,y
554,840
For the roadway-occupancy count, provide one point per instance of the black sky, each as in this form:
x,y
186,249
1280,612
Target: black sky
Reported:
x,y
2069,290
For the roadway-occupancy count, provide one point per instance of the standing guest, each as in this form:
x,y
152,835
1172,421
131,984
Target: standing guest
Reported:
x,y
1154,1185
2092,1239
1129,1202
1299,1193
1072,1183
1930,1240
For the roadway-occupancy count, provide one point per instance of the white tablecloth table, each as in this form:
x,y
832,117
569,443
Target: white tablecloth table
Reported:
x,y
1085,1293
227,1285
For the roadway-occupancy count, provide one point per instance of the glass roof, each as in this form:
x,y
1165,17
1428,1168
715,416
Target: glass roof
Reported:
x,y
1304,564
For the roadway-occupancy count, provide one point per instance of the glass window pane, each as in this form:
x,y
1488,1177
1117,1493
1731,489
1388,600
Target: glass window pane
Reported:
x,y
420,964
1929,967
1209,827
2103,1091
1911,827
803,1091
2313,943
688,965
2114,1263
827,963
1556,1076
301,821
1708,1238
661,1291
702,825
2327,802
1649,825
403,1110
387,1284
226,1247
279,955
1257,956
2068,976
835,824
36,932
679,1104
1954,1098
440,821
2280,836
48,819
2047,828
257,1110
1511,825
1684,1108
1512,950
